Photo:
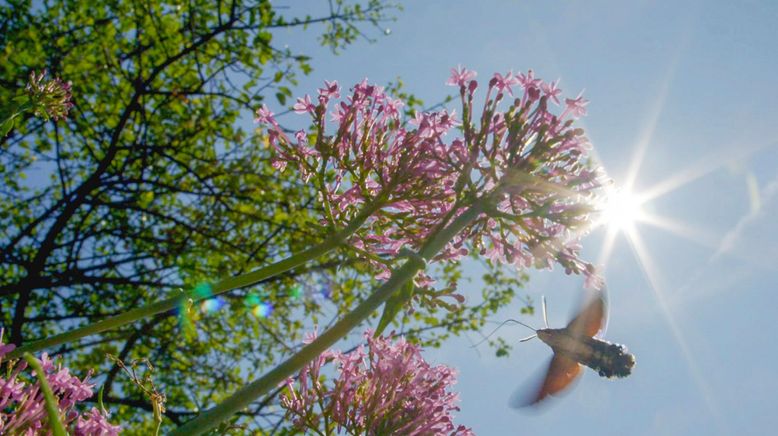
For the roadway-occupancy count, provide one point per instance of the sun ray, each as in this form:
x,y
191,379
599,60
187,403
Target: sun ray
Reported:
x,y
727,155
681,229
607,247
652,275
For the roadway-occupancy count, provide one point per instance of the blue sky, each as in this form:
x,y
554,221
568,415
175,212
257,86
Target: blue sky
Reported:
x,y
690,91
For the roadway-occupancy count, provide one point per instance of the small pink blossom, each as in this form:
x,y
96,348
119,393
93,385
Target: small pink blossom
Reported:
x,y
551,90
331,90
528,80
502,83
304,105
278,164
93,423
576,107
460,76
364,90
264,116
5,349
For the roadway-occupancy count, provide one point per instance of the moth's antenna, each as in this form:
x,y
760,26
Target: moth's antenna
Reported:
x,y
500,326
528,338
545,317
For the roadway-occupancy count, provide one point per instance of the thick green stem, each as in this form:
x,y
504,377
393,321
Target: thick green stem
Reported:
x,y
52,406
211,418
217,288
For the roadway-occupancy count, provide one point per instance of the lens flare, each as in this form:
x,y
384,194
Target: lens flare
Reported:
x,y
296,292
212,305
251,300
202,290
262,310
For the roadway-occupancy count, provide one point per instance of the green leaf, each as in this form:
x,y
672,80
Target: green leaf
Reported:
x,y
281,98
146,198
100,399
393,306
6,127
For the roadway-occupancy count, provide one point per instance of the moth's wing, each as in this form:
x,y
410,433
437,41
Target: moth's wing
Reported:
x,y
561,373
593,318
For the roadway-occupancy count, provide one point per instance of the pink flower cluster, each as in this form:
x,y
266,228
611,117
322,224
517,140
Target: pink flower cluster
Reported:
x,y
536,168
528,164
49,98
389,389
23,408
372,157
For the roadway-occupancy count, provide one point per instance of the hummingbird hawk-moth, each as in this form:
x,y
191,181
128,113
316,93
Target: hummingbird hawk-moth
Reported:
x,y
573,346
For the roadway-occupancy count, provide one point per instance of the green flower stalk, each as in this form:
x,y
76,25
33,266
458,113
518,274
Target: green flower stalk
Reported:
x,y
220,287
51,402
211,418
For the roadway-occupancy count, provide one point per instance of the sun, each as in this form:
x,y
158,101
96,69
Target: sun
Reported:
x,y
621,210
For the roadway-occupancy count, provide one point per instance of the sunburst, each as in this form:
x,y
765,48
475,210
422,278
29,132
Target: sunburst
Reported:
x,y
623,212
622,209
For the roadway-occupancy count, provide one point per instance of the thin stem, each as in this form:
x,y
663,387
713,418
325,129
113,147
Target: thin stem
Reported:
x,y
217,288
51,403
242,398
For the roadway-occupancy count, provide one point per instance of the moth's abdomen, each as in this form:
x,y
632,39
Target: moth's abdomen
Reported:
x,y
610,360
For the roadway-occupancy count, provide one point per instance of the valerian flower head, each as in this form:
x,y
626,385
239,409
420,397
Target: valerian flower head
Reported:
x,y
48,98
370,157
532,168
388,389
22,404
527,164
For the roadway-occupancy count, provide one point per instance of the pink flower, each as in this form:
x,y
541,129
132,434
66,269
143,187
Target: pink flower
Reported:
x,y
93,423
460,76
330,90
364,90
49,98
304,105
22,405
528,81
551,90
502,83
419,174
278,164
390,389
392,107
576,107
264,116
372,154
5,349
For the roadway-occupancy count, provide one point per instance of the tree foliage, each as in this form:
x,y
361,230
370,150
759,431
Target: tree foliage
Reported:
x,y
156,182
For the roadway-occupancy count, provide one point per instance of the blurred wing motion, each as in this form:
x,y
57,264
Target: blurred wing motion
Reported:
x,y
592,319
562,372
573,346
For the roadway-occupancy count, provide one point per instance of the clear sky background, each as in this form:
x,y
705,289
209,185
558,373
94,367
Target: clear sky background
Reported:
x,y
688,91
